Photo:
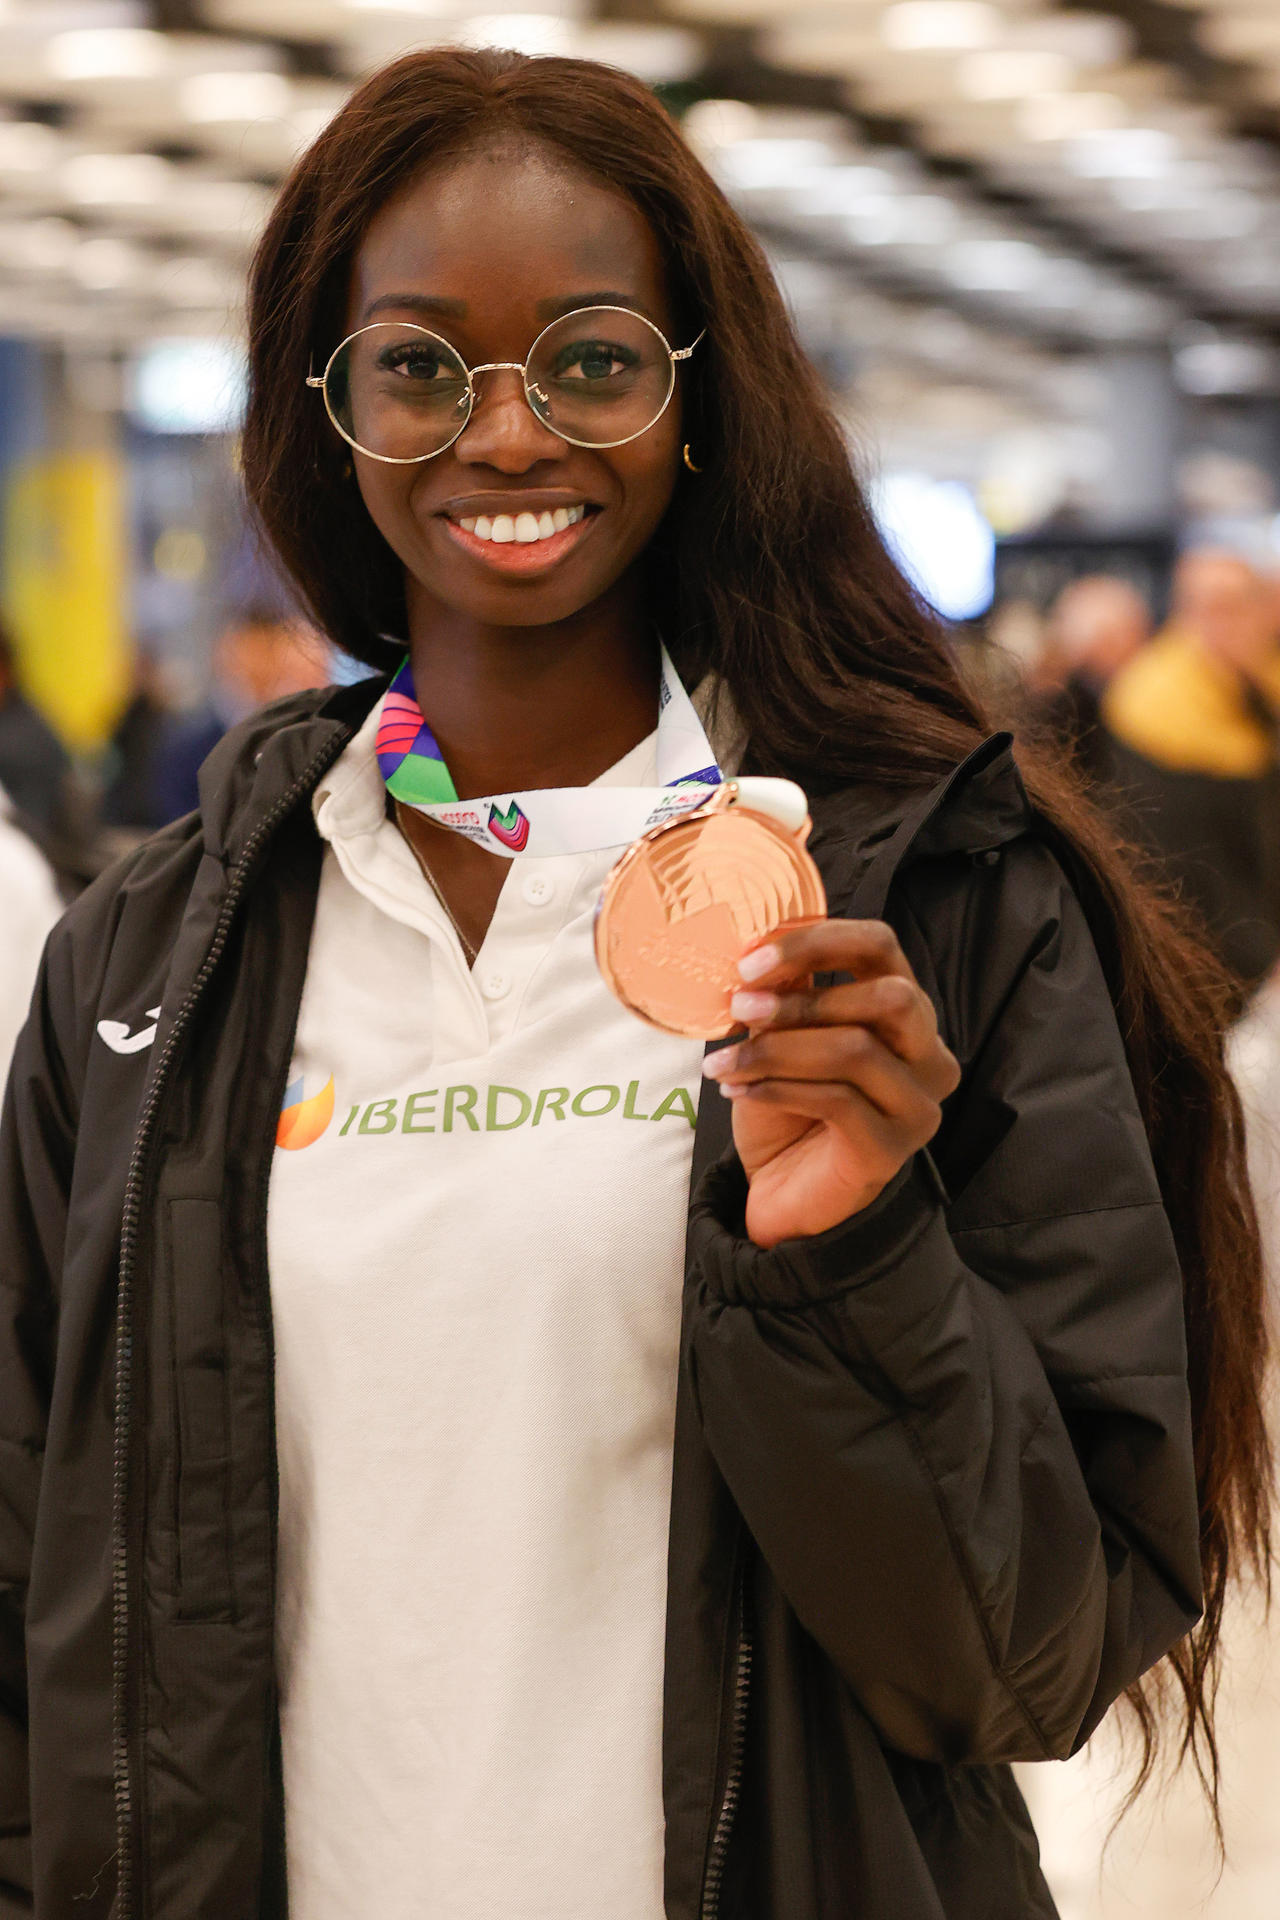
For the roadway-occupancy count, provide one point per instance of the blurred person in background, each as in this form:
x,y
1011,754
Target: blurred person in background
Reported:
x,y
1095,627
35,768
645,1522
129,799
1192,723
261,655
30,902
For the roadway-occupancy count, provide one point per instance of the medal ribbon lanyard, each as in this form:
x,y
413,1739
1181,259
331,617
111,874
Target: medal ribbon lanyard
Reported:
x,y
547,820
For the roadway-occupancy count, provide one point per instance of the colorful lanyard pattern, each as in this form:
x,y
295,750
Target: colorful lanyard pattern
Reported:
x,y
546,820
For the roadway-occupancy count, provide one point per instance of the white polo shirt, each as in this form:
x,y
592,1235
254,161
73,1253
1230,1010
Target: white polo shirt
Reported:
x,y
476,1234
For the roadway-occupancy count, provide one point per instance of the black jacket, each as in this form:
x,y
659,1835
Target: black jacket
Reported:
x,y
1217,840
933,1503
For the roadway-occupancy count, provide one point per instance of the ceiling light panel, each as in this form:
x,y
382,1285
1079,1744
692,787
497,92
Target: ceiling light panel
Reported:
x,y
94,54
918,26
1012,73
658,55
764,13
37,248
1053,102
106,264
227,95
270,144
28,149
115,180
882,211
320,20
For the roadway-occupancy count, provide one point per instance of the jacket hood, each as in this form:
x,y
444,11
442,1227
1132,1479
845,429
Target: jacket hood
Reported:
x,y
981,804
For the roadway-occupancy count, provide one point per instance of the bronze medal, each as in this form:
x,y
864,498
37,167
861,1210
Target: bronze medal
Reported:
x,y
689,896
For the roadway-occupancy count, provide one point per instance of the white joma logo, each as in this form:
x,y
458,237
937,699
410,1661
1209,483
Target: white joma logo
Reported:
x,y
118,1037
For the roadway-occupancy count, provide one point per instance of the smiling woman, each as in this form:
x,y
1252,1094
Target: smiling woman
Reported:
x,y
566,1516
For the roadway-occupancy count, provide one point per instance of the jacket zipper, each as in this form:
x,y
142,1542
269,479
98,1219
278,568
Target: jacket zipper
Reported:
x,y
129,1229
718,1851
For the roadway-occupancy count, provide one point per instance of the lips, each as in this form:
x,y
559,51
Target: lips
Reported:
x,y
516,549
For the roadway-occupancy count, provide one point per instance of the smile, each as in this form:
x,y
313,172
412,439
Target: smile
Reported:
x,y
521,543
525,528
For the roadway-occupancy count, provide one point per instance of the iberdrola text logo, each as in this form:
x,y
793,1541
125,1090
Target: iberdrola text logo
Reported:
x,y
302,1121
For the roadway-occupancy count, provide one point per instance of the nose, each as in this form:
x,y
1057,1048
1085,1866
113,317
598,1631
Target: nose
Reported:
x,y
504,431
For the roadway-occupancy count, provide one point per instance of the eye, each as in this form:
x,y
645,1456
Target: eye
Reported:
x,y
419,362
593,360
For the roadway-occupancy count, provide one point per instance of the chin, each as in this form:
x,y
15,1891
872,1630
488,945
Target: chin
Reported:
x,y
541,603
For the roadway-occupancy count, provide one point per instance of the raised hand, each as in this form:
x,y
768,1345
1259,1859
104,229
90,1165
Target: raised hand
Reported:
x,y
833,1089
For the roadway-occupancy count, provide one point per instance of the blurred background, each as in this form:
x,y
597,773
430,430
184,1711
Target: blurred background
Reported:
x,y
1034,247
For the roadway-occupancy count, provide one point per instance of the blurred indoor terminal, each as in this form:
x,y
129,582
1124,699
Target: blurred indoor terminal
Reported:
x,y
1034,248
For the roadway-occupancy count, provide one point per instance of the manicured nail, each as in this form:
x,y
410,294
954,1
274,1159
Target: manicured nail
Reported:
x,y
717,1065
754,1006
762,960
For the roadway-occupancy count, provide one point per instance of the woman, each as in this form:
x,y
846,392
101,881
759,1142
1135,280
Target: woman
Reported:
x,y
457,1566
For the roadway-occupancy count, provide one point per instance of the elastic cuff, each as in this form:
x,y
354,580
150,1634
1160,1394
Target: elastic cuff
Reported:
x,y
821,1266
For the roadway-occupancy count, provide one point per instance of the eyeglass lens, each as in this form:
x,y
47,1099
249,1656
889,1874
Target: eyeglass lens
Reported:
x,y
597,377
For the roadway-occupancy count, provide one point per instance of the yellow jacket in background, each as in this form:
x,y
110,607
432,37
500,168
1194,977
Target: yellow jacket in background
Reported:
x,y
1183,709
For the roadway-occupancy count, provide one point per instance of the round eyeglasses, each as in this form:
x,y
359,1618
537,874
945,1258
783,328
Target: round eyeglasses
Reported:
x,y
598,378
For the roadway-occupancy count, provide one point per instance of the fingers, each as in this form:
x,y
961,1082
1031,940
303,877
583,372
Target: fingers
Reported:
x,y
882,1146
861,947
900,1013
852,1056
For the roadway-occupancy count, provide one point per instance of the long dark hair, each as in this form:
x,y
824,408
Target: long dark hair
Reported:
x,y
770,571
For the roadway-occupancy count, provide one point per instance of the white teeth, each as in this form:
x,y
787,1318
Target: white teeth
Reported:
x,y
524,527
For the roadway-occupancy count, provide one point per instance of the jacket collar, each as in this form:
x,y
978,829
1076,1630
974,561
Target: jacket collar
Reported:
x,y
255,764
979,805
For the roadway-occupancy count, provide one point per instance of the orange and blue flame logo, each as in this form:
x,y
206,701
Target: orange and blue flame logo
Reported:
x,y
302,1121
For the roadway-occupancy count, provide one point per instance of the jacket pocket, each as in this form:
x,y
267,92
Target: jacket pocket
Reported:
x,y
203,1426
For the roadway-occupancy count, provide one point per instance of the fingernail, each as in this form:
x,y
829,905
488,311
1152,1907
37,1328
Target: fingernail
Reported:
x,y
716,1065
754,1006
762,960
732,1090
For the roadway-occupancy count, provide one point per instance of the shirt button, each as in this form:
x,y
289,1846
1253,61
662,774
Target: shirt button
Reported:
x,y
537,889
494,985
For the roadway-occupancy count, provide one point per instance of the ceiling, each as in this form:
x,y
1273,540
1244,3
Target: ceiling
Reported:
x,y
994,189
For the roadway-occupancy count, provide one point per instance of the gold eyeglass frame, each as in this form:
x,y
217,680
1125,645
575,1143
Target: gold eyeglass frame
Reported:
x,y
321,380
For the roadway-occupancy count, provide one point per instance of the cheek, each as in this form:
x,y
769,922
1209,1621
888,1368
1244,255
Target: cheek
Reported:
x,y
386,493
655,474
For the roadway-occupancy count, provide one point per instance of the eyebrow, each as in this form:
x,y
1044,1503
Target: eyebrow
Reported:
x,y
418,303
552,309
441,308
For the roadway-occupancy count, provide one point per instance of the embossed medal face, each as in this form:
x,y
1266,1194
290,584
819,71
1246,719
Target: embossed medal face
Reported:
x,y
683,902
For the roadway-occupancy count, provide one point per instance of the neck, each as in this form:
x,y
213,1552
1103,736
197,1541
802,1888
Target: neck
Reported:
x,y
527,707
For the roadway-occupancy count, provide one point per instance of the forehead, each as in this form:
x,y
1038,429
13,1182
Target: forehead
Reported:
x,y
500,235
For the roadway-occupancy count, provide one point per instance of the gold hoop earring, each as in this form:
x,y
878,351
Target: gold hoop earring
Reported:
x,y
689,461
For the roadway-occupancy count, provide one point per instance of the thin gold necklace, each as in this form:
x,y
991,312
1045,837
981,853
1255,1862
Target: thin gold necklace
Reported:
x,y
432,882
